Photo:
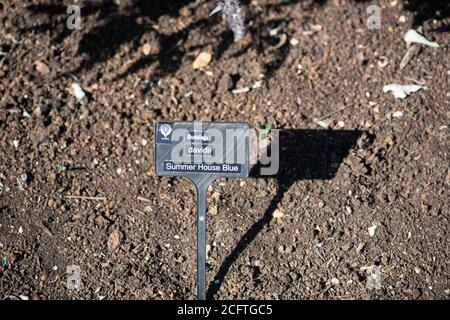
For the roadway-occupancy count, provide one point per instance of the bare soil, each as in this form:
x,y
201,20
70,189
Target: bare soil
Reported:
x,y
77,185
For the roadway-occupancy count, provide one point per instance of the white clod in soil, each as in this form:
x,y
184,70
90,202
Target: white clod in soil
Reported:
x,y
402,91
397,114
78,91
412,36
294,42
202,60
371,230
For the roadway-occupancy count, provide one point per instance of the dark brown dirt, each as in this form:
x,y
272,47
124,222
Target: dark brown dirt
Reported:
x,y
135,238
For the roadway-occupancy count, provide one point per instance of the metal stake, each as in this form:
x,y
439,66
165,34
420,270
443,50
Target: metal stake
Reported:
x,y
201,242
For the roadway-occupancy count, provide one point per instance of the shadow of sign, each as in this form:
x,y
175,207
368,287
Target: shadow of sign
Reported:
x,y
303,155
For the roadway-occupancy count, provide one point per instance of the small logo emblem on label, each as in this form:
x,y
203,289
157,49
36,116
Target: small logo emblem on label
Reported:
x,y
165,129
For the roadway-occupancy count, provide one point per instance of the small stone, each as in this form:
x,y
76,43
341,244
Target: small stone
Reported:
x,y
257,84
55,268
114,239
213,210
348,209
20,230
397,114
321,204
335,281
372,230
241,90
294,42
78,92
202,60
41,67
341,124
16,143
24,297
277,214
146,49
417,270
176,237
281,249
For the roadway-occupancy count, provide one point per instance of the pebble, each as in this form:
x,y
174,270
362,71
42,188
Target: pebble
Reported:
x,y
20,230
321,204
241,90
146,49
41,67
294,42
213,210
372,230
335,281
397,114
257,84
78,91
277,214
202,60
114,239
281,249
348,209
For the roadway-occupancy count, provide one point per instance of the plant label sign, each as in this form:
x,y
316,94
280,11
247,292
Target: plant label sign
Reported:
x,y
202,152
196,149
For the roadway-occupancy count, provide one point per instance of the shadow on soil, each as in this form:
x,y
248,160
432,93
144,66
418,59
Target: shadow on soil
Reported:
x,y
128,23
304,154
